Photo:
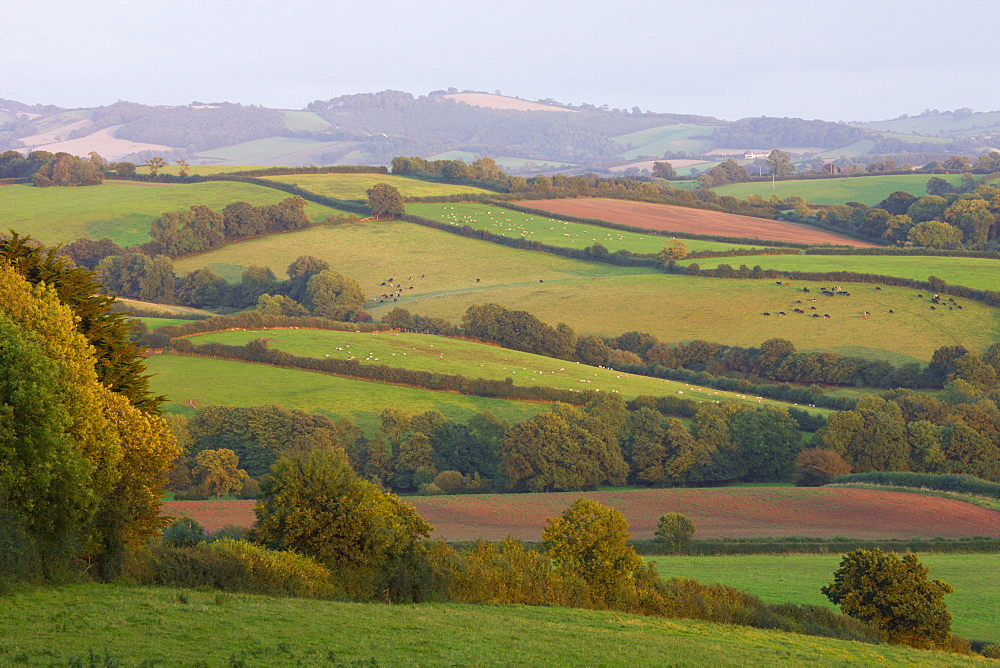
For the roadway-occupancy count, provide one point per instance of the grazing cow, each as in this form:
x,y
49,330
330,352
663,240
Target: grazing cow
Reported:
x,y
805,289
891,311
798,302
844,293
958,305
781,313
777,282
920,296
815,315
798,310
932,308
540,280
767,314
477,280
826,315
867,313
950,308
878,288
812,308
382,283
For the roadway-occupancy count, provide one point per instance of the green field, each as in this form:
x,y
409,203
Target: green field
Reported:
x,y
597,298
939,123
656,141
354,186
156,323
122,210
437,354
305,120
869,190
285,150
207,381
972,272
852,150
551,231
201,170
975,605
165,310
119,625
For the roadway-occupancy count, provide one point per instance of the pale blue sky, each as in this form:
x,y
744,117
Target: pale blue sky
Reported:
x,y
831,59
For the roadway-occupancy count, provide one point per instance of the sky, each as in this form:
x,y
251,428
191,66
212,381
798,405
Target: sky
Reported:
x,y
843,60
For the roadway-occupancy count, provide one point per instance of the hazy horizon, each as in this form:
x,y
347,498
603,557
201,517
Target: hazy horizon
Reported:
x,y
849,61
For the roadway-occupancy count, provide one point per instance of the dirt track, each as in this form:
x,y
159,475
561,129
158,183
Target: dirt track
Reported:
x,y
691,221
717,512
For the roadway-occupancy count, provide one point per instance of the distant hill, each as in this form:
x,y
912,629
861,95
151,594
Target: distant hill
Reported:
x,y
524,136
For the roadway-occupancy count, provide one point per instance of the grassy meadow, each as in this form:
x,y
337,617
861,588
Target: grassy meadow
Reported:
x,y
207,381
975,604
122,210
119,625
869,190
354,186
658,140
156,323
267,151
972,272
423,352
551,231
598,298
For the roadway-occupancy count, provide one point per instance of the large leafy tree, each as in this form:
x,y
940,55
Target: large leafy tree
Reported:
x,y
385,201
315,504
894,595
591,541
109,457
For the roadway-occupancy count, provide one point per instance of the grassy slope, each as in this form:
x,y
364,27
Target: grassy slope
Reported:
x,y
474,360
156,323
981,273
228,383
594,298
656,141
120,210
779,578
353,186
144,626
550,231
938,123
867,189
264,151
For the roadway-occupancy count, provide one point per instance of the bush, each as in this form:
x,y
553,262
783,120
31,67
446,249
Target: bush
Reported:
x,y
236,565
991,651
675,530
450,482
816,467
184,532
948,482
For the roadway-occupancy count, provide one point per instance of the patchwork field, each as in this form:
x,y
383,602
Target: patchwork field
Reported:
x,y
690,221
552,231
122,210
598,298
119,625
869,190
275,151
718,512
972,272
354,186
199,381
423,352
782,577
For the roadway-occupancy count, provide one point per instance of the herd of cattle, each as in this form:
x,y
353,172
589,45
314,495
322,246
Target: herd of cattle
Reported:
x,y
936,302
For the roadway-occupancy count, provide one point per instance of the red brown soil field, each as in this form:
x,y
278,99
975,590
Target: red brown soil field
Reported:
x,y
717,512
691,221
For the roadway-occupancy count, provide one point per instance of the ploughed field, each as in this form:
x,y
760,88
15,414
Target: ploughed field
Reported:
x,y
721,512
449,273
552,231
689,221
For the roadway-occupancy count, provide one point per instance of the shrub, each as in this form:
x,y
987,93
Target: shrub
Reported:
x,y
450,482
991,651
816,467
675,530
893,595
184,532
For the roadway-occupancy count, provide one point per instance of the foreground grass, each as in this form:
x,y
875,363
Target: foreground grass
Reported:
x,y
552,231
112,625
354,186
972,272
869,190
122,210
207,381
604,299
437,354
975,604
